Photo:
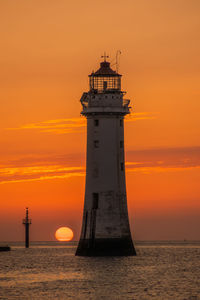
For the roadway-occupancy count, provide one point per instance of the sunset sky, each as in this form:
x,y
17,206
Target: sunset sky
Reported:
x,y
48,48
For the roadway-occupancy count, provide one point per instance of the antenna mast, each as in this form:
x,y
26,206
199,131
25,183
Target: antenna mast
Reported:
x,y
117,59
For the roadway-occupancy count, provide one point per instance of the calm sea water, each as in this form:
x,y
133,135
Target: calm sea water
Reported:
x,y
51,271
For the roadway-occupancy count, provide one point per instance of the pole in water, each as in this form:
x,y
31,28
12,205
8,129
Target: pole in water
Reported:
x,y
27,223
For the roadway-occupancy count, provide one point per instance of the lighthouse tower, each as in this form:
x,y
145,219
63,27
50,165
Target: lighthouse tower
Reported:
x,y
105,225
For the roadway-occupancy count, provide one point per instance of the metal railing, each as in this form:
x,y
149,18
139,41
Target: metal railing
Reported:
x,y
126,102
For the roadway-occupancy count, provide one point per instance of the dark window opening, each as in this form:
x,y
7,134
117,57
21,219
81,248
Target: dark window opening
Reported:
x,y
95,201
121,122
122,166
96,144
96,122
121,144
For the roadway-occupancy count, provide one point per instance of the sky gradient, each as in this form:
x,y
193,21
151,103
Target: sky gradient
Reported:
x,y
48,48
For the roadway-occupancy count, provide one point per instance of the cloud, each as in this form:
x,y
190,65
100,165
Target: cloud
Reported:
x,y
60,126
38,173
46,167
163,160
157,169
75,125
141,116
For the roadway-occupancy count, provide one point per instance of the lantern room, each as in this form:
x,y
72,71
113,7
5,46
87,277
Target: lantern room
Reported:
x,y
105,80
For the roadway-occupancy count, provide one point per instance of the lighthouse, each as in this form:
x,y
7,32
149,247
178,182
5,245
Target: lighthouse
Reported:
x,y
27,223
105,225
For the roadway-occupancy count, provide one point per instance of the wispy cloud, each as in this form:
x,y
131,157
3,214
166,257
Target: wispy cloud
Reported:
x,y
40,168
141,116
163,160
38,173
74,125
158,169
60,126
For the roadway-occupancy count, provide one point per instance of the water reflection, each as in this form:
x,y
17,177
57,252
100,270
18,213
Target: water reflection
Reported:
x,y
48,271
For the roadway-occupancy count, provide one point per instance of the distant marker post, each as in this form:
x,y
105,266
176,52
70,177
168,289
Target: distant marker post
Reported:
x,y
27,223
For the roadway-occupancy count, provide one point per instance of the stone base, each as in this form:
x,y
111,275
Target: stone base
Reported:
x,y
106,247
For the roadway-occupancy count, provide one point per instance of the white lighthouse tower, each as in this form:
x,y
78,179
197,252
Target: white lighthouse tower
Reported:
x,y
105,226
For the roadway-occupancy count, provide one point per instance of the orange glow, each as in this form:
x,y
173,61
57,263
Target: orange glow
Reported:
x,y
64,234
48,48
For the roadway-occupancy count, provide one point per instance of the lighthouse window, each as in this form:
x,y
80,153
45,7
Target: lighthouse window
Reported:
x,y
121,122
122,166
96,123
121,144
96,144
95,201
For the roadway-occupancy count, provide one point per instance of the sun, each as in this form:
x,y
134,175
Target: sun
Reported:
x,y
64,234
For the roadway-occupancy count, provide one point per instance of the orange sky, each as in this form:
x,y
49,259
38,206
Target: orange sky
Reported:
x,y
47,50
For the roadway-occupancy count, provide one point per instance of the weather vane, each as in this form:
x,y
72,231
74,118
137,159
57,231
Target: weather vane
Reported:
x,y
104,56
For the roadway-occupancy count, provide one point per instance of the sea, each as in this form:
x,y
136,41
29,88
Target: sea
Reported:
x,y
50,270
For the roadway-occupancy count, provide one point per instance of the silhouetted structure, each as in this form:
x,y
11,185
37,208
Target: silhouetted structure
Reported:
x,y
27,223
105,226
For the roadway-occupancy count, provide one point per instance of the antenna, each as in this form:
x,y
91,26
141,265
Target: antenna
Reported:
x,y
116,63
117,59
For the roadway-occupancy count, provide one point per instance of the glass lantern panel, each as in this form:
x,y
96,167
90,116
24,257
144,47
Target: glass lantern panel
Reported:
x,y
105,83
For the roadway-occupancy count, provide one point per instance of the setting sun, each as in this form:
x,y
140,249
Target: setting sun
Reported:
x,y
64,234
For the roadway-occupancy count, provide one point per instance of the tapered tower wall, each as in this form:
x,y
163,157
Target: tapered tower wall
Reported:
x,y
106,176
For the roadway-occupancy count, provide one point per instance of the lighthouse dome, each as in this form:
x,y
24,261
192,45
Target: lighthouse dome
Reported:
x,y
105,80
105,69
